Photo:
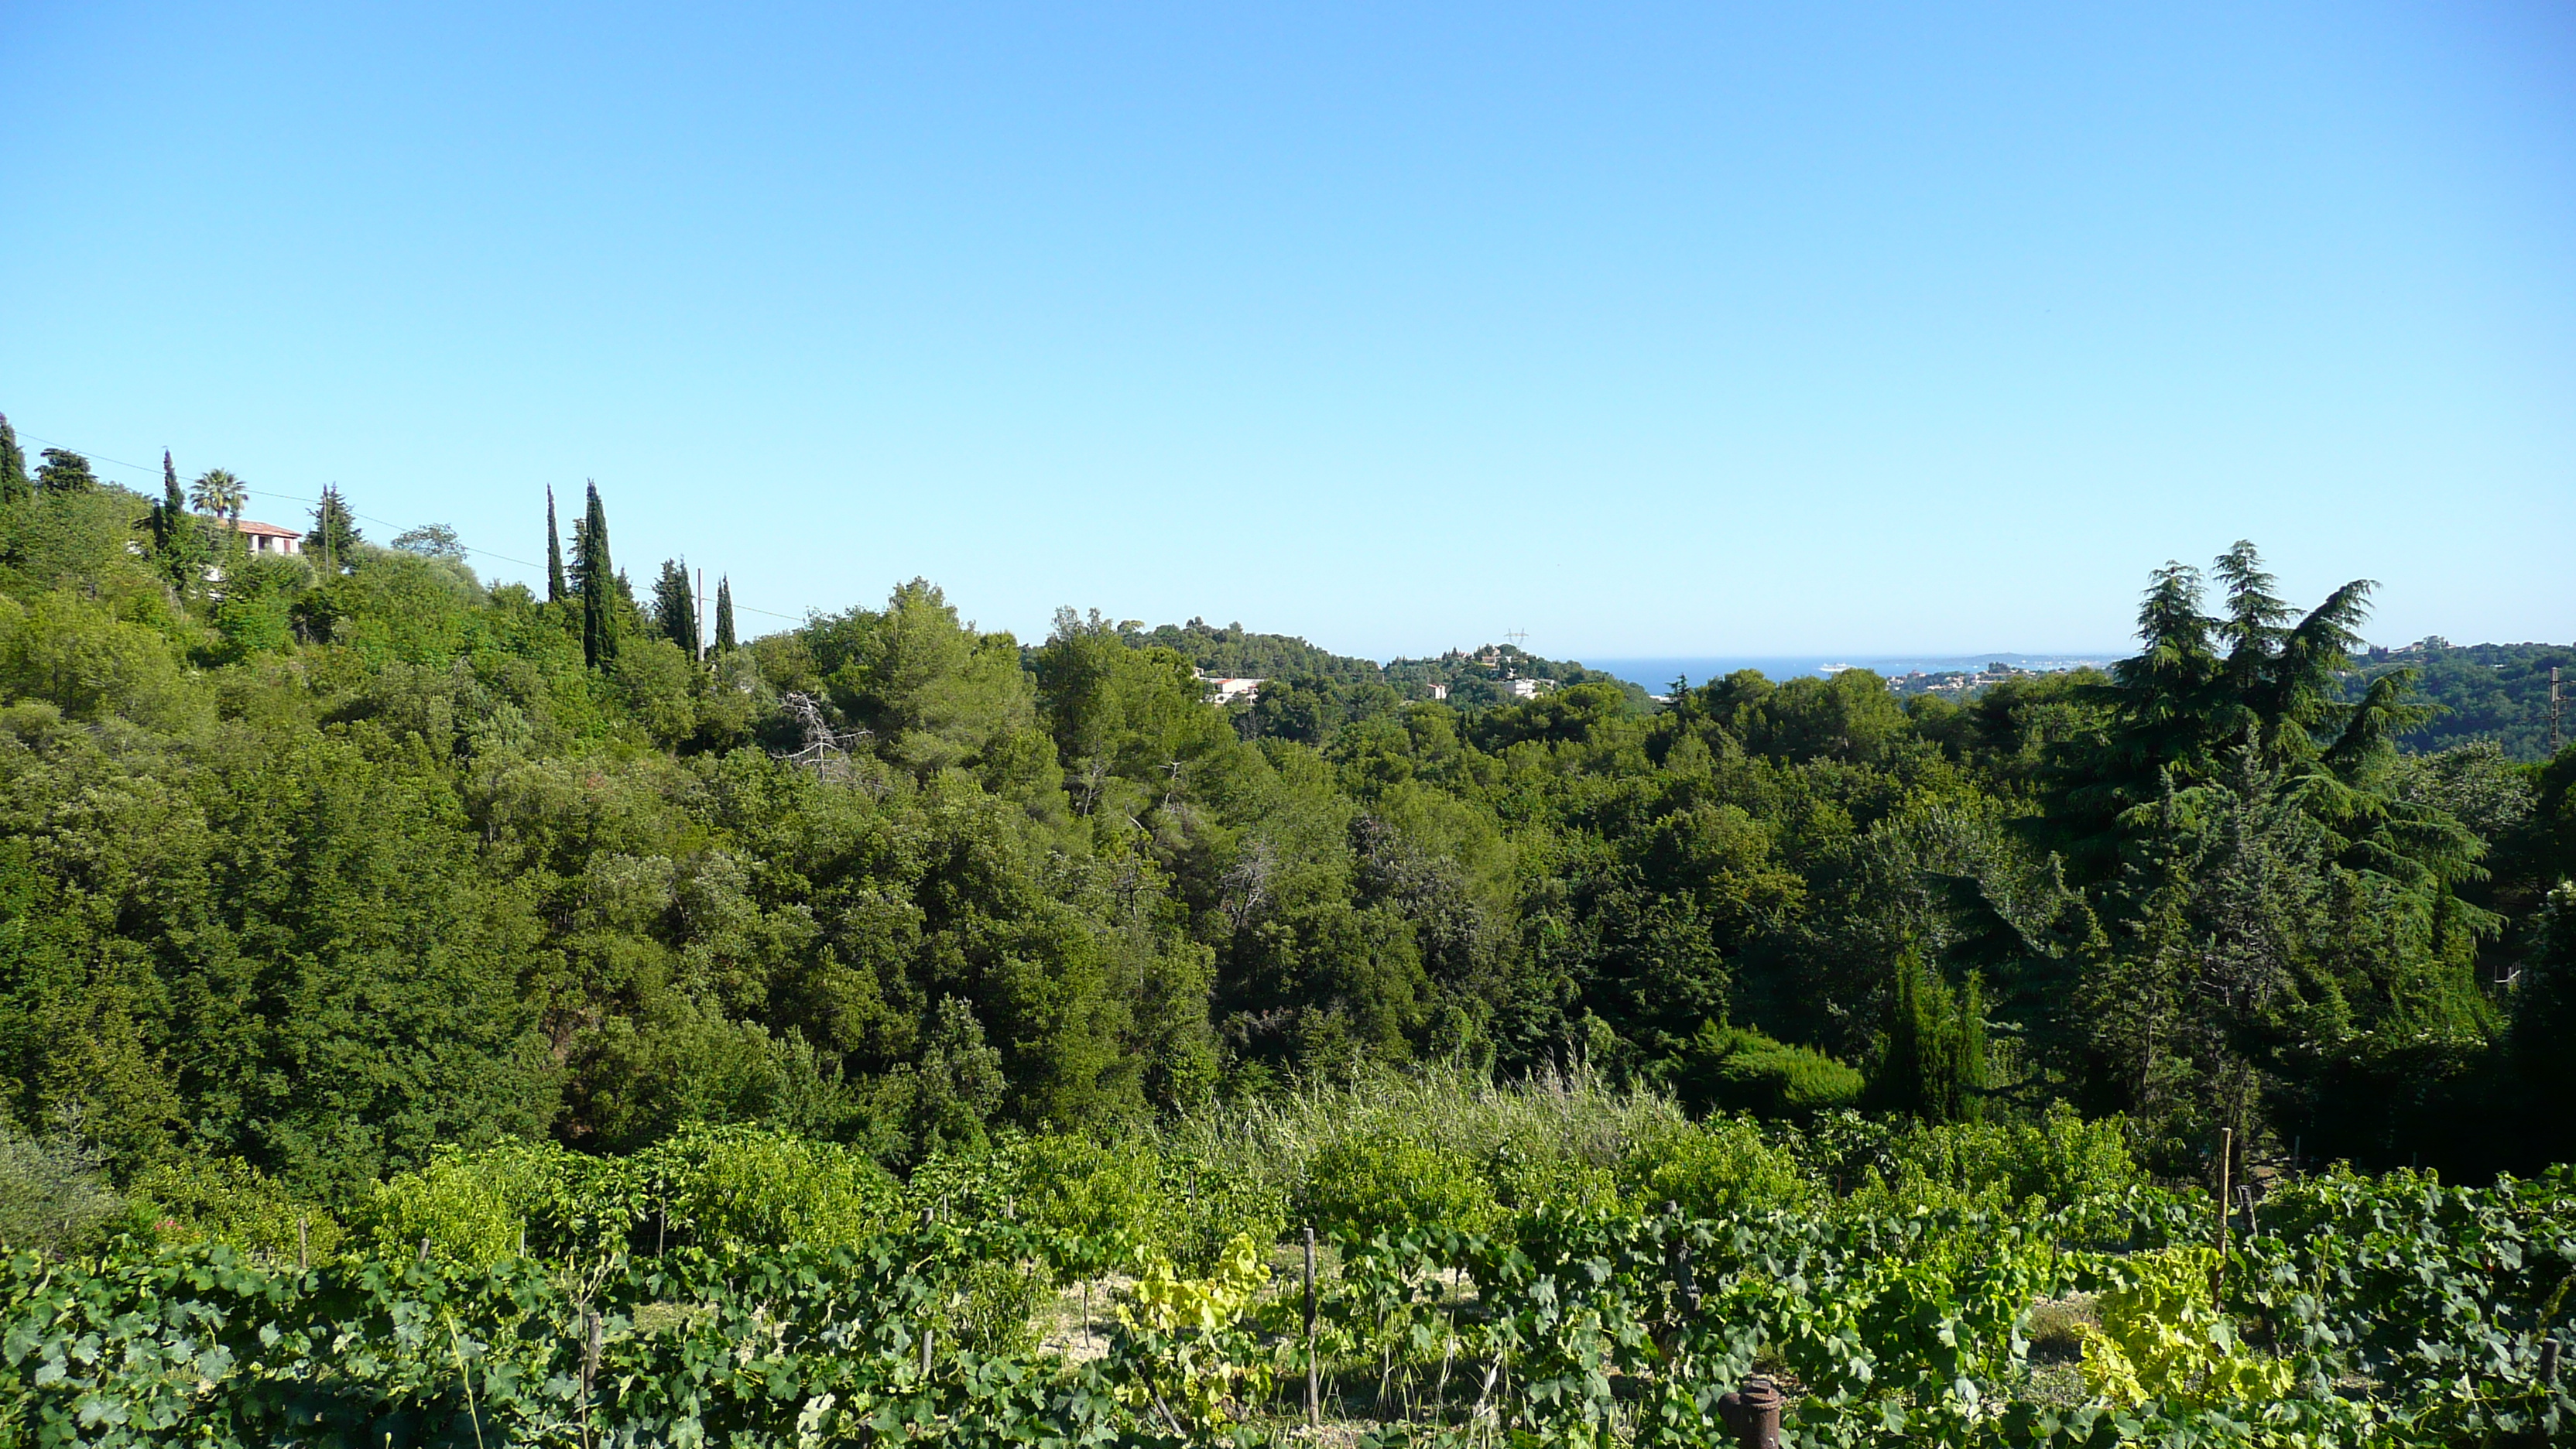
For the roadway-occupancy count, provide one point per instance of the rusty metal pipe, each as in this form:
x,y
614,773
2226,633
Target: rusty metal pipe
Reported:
x,y
1752,1414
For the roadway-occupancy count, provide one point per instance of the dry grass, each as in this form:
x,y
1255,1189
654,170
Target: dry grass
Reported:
x,y
1063,1329
2056,1327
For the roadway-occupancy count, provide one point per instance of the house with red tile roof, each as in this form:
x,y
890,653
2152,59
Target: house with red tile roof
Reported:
x,y
265,538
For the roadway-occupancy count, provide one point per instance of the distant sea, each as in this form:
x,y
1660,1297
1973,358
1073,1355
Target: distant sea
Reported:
x,y
1657,674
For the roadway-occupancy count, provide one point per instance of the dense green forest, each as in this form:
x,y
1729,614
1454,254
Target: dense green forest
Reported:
x,y
433,1011
313,862
2483,692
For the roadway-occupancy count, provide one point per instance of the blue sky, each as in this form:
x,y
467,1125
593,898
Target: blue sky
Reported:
x,y
1696,329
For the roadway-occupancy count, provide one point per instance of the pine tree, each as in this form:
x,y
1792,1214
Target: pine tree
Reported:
x,y
554,552
334,529
724,614
596,578
14,484
675,611
65,471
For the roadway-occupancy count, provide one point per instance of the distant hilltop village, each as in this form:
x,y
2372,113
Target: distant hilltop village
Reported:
x,y
1283,675
1508,673
1967,683
2430,644
1246,671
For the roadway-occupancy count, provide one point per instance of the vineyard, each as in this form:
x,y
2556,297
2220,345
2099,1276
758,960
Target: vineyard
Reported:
x,y
1541,1266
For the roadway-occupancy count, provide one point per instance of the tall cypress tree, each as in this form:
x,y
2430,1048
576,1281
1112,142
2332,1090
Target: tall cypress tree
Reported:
x,y
1968,1053
176,547
1897,1084
1932,1062
175,544
173,507
13,465
724,613
598,584
554,552
674,610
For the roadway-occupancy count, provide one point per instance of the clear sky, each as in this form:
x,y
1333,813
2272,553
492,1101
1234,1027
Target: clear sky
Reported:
x,y
1702,328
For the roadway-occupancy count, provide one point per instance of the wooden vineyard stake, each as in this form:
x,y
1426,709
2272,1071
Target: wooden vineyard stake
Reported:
x,y
1314,1382
2226,1161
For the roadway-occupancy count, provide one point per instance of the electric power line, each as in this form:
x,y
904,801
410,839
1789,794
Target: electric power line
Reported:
x,y
153,471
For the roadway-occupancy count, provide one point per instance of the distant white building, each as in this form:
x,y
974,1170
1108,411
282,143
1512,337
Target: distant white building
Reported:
x,y
1439,691
1231,691
263,537
1528,688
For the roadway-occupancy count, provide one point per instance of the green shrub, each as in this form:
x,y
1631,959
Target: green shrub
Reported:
x,y
727,1189
1117,1201
2058,1160
251,617
1721,1165
1208,1207
996,1307
1524,1180
226,1200
469,1209
1098,1201
79,656
733,1188
2161,1337
658,684
54,1195
1738,1069
1382,1181
393,606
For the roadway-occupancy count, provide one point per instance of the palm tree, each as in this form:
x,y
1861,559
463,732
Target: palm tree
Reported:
x,y
219,493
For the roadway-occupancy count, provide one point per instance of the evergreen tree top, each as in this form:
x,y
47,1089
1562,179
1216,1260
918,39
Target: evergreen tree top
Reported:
x,y
65,471
13,462
555,591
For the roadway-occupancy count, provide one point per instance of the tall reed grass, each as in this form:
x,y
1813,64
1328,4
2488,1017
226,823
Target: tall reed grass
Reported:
x,y
1561,1115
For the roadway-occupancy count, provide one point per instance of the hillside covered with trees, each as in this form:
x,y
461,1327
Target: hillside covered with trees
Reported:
x,y
309,863
2496,693
1233,652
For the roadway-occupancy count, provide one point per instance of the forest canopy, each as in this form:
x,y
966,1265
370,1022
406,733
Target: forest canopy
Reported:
x,y
316,860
